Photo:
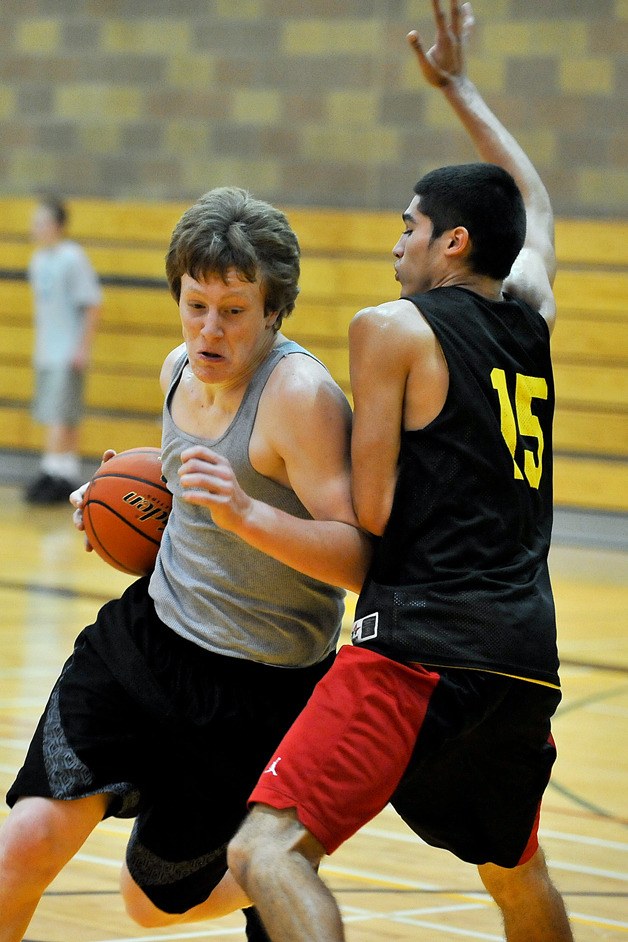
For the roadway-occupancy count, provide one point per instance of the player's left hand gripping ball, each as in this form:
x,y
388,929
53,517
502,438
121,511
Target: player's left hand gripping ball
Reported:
x,y
126,508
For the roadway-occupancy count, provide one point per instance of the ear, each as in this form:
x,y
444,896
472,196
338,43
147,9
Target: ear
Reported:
x,y
457,241
270,320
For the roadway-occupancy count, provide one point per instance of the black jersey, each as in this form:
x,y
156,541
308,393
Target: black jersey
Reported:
x,y
460,575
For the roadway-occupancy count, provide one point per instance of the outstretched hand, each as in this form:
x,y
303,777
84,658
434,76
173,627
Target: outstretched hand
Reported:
x,y
445,60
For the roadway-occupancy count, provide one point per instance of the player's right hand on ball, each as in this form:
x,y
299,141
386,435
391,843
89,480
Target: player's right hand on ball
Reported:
x,y
77,497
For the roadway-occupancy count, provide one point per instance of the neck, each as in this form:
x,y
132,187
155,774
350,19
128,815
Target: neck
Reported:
x,y
50,243
486,287
223,392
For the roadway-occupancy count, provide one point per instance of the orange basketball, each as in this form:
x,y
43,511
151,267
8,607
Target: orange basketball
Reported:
x,y
126,508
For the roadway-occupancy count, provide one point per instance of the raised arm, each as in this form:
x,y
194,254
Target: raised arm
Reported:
x,y
443,66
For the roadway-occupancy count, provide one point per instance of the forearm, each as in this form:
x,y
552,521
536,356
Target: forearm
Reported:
x,y
328,550
495,144
373,497
90,321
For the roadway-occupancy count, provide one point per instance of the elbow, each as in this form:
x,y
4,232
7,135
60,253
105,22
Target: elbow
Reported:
x,y
373,505
362,563
373,521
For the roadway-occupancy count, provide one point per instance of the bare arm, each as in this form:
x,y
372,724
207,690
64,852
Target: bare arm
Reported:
x,y
330,551
378,381
84,347
305,424
443,66
399,381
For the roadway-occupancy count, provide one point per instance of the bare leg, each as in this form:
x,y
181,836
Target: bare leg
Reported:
x,y
532,907
226,898
38,838
60,439
275,859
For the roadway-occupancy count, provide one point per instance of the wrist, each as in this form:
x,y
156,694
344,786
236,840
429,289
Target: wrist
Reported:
x,y
457,86
251,523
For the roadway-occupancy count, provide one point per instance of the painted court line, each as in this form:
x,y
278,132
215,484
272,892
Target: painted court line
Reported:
x,y
354,915
590,871
582,839
382,879
407,837
452,930
205,934
602,921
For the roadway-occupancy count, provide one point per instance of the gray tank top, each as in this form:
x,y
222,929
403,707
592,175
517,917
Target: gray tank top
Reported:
x,y
213,588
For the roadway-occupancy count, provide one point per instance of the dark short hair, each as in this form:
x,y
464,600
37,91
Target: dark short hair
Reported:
x,y
483,198
56,208
228,229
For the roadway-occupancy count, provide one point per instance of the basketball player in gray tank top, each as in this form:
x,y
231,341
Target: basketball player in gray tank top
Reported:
x,y
176,695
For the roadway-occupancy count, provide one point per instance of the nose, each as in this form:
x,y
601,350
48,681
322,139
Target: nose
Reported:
x,y
398,248
212,326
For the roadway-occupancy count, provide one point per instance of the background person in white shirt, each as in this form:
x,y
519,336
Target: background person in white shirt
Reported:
x,y
67,298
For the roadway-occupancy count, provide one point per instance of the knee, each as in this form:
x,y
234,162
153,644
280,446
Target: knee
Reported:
x,y
509,887
255,851
144,914
267,842
242,851
138,906
29,844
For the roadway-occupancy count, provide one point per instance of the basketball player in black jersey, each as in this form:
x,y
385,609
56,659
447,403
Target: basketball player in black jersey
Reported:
x,y
442,705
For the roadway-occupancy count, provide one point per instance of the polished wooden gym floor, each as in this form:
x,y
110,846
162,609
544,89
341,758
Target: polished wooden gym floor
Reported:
x,y
390,886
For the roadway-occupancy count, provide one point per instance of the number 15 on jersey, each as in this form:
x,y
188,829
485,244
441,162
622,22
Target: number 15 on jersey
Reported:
x,y
518,420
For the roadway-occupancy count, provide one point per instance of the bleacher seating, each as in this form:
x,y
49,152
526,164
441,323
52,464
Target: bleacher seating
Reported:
x,y
346,265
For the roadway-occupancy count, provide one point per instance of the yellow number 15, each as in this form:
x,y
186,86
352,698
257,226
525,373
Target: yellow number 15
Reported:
x,y
521,418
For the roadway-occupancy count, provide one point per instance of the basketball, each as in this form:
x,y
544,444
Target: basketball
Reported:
x,y
126,508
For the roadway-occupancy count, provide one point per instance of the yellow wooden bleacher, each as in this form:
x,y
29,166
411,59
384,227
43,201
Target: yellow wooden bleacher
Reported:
x,y
346,265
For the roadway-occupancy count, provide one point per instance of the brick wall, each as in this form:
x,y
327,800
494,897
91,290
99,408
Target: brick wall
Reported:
x,y
304,103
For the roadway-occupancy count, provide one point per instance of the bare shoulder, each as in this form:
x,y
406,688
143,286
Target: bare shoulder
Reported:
x,y
394,323
303,420
299,379
397,366
167,368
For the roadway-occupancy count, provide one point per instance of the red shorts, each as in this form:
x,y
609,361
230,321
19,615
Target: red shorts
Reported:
x,y
463,756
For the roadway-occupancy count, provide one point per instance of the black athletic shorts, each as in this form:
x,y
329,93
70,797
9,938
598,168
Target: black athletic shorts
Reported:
x,y
175,734
463,756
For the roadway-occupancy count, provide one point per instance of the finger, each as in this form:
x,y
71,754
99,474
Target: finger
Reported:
x,y
439,16
203,471
109,453
204,497
415,42
200,480
468,20
77,496
207,463
455,18
202,456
